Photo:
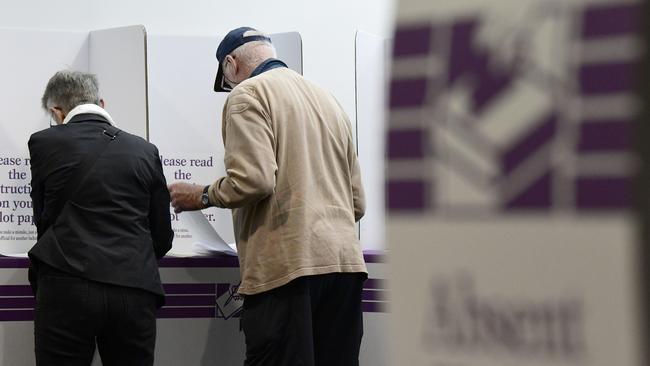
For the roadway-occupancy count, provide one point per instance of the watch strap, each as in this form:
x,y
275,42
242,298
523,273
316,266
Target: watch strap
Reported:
x,y
205,197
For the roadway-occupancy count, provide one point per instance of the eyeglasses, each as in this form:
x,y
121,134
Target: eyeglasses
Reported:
x,y
225,82
225,86
52,121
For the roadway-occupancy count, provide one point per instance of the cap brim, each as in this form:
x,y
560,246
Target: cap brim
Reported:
x,y
218,82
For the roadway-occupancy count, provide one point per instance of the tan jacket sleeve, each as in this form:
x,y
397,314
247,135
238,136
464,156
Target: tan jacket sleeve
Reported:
x,y
358,194
250,160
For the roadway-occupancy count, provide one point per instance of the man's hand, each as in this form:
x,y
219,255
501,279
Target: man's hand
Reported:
x,y
185,196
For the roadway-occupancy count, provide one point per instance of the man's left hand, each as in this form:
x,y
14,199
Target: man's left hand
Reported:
x,y
185,196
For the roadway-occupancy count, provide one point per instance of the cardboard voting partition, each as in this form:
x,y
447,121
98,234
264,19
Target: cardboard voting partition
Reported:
x,y
118,57
185,118
372,71
28,60
167,80
24,71
509,184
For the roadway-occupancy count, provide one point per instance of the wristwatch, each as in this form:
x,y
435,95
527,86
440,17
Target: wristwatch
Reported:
x,y
205,198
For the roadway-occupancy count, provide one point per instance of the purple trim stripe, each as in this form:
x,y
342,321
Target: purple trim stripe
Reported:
x,y
408,93
407,144
373,295
166,313
167,262
17,302
375,284
603,193
412,40
201,300
13,262
16,290
611,20
374,256
607,78
405,195
201,305
605,136
190,288
224,261
16,315
374,307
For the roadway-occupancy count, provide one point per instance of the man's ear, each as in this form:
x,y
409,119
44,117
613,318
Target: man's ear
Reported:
x,y
234,65
58,112
101,103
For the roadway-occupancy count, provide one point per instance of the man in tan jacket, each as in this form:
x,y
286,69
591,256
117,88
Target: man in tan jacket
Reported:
x,y
294,186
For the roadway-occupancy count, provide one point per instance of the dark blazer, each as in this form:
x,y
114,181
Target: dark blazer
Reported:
x,y
117,225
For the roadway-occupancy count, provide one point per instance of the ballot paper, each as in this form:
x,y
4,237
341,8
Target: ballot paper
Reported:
x,y
16,255
205,239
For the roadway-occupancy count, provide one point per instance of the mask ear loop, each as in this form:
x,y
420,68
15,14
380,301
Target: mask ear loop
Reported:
x,y
53,121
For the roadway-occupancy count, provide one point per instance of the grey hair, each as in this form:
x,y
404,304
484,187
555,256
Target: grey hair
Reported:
x,y
68,89
253,53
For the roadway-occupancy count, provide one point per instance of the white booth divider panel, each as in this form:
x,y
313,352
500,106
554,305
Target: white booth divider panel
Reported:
x,y
289,48
28,61
117,57
371,77
185,116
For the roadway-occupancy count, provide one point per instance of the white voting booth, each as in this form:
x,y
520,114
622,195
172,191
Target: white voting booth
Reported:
x,y
185,123
160,87
28,60
151,90
371,64
185,118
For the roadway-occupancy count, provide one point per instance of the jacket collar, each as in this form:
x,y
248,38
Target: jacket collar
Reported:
x,y
88,117
85,109
266,65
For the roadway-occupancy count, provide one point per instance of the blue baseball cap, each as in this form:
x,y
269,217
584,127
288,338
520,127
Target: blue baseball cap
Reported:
x,y
230,42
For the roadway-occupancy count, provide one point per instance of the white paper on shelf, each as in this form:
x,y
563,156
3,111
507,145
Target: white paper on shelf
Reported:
x,y
206,240
16,255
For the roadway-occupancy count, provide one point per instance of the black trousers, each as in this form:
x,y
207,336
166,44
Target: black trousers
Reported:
x,y
74,315
311,321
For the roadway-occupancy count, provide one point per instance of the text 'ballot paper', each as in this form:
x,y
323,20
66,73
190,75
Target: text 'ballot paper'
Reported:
x,y
206,240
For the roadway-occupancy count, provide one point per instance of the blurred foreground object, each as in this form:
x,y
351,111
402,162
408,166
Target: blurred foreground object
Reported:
x,y
510,183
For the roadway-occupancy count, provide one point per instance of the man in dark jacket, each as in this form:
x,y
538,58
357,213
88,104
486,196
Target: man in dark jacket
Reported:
x,y
101,209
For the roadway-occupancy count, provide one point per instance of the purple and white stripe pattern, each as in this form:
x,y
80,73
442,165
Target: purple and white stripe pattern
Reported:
x,y
189,300
183,301
605,68
545,127
16,303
